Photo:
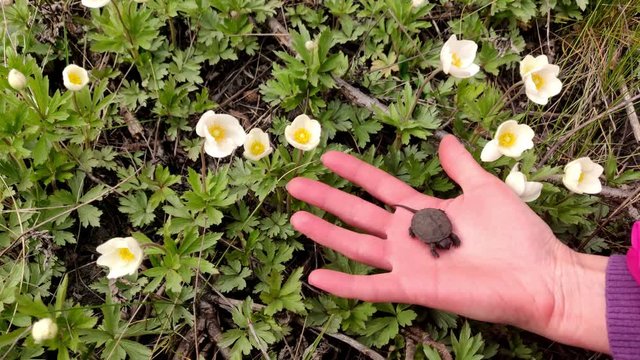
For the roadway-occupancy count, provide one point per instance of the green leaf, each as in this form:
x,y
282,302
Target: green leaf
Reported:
x,y
61,293
89,215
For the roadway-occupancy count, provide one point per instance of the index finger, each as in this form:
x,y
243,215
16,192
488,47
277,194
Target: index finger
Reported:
x,y
376,182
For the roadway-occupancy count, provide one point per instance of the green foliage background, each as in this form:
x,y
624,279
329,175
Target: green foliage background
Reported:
x,y
76,171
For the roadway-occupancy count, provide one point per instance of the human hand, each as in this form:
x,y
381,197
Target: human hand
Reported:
x,y
510,268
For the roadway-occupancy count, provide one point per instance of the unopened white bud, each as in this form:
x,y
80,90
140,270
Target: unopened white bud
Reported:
x,y
45,329
17,80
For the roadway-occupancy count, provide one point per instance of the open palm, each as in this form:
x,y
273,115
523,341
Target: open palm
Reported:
x,y
504,271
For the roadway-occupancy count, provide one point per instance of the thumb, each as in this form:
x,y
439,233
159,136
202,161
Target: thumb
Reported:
x,y
458,163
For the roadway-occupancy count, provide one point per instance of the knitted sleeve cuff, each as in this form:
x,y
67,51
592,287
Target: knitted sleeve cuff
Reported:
x,y
623,310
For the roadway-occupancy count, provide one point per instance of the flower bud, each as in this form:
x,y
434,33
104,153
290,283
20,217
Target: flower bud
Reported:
x,y
45,329
17,80
310,45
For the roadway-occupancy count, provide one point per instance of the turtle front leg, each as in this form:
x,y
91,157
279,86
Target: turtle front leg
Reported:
x,y
455,239
411,233
433,251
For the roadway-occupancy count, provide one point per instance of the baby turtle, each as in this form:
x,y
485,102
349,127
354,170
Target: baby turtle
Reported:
x,y
432,226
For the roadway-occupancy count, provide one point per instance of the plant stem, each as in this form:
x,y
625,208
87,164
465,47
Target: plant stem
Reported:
x,y
203,168
134,49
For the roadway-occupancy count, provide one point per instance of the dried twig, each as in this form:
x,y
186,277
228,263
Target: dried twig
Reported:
x,y
133,125
371,354
208,312
185,347
421,336
631,113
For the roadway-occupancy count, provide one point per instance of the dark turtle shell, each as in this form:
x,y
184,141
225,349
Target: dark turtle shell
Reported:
x,y
431,225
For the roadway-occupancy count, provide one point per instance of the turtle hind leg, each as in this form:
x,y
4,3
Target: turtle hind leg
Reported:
x,y
433,251
455,239
411,233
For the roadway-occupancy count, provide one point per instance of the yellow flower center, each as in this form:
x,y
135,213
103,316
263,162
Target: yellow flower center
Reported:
x,y
302,136
75,78
257,148
455,60
126,254
507,139
537,80
217,132
581,177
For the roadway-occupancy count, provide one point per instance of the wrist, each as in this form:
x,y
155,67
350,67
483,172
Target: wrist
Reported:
x,y
579,314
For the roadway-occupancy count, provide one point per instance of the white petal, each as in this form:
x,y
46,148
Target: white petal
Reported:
x,y
226,120
490,152
463,73
591,185
536,97
95,3
524,140
218,150
111,245
466,50
516,181
550,70
553,86
529,64
532,191
315,129
445,55
116,272
289,130
594,169
300,121
236,135
506,126
134,246
572,172
108,259
202,127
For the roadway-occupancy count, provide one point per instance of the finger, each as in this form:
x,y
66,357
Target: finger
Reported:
x,y
376,182
363,248
372,288
351,209
458,163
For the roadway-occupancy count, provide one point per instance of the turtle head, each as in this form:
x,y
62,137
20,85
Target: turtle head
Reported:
x,y
445,243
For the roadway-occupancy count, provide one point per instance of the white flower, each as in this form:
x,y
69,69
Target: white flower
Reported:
x,y
223,133
457,56
140,1
122,256
582,176
303,133
540,78
256,145
17,80
45,329
417,3
74,77
527,190
511,140
94,4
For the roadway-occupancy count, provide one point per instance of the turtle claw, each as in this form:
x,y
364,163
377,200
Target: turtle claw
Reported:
x,y
434,252
455,239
